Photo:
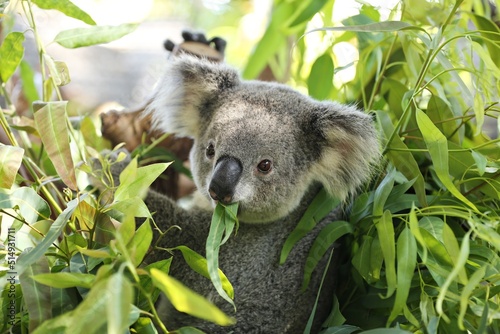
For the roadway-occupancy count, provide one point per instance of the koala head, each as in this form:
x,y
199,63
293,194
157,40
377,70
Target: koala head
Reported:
x,y
261,144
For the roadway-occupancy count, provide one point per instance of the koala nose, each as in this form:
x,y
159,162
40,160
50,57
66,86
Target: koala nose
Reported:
x,y
226,175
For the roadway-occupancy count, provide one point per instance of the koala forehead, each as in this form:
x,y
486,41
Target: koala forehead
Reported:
x,y
265,118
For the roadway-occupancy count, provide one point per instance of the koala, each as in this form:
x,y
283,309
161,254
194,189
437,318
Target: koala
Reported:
x,y
271,149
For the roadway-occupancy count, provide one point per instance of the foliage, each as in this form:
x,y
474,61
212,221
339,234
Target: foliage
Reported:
x,y
424,250
74,257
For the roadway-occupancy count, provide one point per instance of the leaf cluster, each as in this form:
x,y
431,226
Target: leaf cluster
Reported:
x,y
75,256
423,250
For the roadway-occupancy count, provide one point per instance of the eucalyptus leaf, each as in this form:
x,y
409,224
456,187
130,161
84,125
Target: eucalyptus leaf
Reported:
x,y
37,296
51,123
11,158
199,264
438,149
135,181
67,8
386,235
11,54
187,301
140,243
64,280
90,315
402,159
320,81
55,231
119,303
146,283
406,258
309,9
79,37
28,80
321,205
325,239
223,221
30,205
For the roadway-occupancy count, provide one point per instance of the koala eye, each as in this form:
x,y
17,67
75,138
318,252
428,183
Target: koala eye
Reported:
x,y
264,166
210,151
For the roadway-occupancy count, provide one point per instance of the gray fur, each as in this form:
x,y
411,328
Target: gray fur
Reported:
x,y
309,143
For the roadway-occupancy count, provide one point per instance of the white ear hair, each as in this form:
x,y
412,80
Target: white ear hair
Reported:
x,y
350,151
187,83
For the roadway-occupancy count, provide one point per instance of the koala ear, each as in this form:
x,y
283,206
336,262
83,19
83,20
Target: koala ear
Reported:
x,y
186,86
349,147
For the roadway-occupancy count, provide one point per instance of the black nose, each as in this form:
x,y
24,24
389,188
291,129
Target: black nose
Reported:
x,y
226,175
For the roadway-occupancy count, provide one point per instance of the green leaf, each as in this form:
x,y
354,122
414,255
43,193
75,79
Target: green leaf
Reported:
x,y
37,296
386,236
441,115
55,231
11,54
67,8
407,260
491,34
133,206
135,182
11,158
462,259
199,264
320,81
119,303
140,243
451,244
415,230
271,42
51,123
322,205
96,253
147,285
386,26
402,159
64,300
325,239
479,112
28,79
382,193
187,301
361,259
438,149
223,222
30,205
56,325
481,162
58,70
310,8
64,280
475,281
91,314
79,37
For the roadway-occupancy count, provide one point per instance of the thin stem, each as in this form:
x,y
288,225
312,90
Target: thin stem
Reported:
x,y
380,76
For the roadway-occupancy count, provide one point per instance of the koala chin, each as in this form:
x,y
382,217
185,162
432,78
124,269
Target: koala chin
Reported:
x,y
270,149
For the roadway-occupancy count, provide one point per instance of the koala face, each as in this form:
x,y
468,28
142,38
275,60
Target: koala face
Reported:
x,y
261,144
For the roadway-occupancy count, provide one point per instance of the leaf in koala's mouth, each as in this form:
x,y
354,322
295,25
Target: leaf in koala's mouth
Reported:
x,y
223,223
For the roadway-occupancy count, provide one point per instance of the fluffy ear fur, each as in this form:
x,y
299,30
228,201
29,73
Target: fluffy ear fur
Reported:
x,y
349,147
187,84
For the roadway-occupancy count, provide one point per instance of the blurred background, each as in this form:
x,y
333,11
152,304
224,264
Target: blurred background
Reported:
x,y
124,71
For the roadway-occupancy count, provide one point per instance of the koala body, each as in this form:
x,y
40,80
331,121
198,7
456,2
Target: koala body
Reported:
x,y
270,149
